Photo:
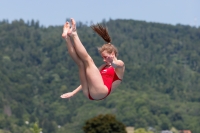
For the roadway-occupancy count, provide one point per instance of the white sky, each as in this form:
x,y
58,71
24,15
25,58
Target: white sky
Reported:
x,y
55,12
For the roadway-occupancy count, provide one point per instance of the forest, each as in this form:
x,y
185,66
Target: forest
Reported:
x,y
160,89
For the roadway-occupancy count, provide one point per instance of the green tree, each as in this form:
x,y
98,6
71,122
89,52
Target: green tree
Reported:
x,y
104,124
35,128
4,131
160,88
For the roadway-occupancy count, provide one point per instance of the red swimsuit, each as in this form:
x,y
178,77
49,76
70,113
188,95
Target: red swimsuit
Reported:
x,y
108,76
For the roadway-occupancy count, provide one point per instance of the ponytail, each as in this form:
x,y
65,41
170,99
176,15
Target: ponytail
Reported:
x,y
103,33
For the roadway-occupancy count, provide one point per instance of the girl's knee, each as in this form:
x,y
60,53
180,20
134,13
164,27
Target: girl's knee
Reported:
x,y
80,64
88,60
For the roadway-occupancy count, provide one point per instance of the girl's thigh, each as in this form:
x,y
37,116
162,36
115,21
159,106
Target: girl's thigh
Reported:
x,y
95,82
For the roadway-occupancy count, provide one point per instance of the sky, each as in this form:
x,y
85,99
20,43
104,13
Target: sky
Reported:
x,y
55,12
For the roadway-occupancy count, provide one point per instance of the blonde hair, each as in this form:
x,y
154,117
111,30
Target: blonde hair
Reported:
x,y
103,33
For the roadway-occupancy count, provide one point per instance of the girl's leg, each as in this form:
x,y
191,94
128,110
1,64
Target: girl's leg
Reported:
x,y
97,88
77,60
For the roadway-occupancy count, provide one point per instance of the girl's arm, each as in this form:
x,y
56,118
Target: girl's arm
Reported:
x,y
117,64
77,89
114,61
71,94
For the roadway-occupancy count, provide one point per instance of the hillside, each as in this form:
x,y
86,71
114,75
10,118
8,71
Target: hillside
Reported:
x,y
160,88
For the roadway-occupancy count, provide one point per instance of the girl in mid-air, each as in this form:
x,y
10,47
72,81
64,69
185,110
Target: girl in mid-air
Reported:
x,y
96,83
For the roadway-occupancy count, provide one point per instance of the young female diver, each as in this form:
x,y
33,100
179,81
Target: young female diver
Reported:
x,y
96,83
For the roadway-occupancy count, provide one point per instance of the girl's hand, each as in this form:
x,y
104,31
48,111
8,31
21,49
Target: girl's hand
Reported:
x,y
67,95
110,58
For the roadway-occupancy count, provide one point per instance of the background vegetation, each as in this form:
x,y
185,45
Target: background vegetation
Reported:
x,y
104,124
160,89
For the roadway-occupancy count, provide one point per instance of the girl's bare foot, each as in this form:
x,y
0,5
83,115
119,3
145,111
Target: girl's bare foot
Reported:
x,y
72,30
66,28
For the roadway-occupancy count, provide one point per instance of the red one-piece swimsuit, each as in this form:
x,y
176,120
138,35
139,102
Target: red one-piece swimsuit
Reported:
x,y
109,76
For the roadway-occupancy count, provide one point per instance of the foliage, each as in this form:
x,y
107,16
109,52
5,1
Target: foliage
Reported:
x,y
142,130
4,131
160,88
35,128
104,123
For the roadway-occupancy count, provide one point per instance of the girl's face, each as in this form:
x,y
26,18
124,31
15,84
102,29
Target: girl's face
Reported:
x,y
105,55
